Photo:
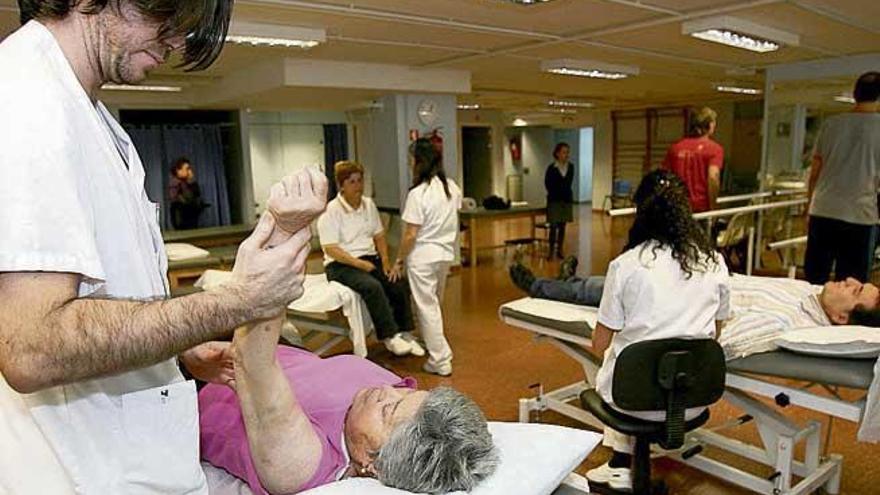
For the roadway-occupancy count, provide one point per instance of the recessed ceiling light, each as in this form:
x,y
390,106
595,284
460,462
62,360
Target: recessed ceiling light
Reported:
x,y
588,68
468,106
563,110
844,99
739,33
518,122
738,90
145,87
569,104
257,34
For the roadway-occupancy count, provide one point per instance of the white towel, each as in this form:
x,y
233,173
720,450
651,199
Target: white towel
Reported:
x,y
555,310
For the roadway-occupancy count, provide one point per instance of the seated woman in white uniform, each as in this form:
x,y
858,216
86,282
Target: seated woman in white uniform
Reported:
x,y
668,283
356,255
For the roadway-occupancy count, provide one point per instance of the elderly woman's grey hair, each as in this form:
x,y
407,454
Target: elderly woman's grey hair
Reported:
x,y
445,447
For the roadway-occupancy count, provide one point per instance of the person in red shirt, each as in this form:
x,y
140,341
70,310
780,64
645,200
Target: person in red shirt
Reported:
x,y
698,160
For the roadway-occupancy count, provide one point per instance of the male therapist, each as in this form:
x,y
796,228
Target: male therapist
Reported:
x,y
87,334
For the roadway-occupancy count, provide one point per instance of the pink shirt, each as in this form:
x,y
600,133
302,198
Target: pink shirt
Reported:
x,y
325,389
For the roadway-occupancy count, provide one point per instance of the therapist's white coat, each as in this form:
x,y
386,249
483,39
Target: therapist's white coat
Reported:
x,y
69,204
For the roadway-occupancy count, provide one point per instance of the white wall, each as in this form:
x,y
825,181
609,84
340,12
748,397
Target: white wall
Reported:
x,y
284,142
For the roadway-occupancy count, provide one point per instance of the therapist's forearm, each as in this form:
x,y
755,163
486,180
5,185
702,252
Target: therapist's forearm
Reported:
x,y
284,446
48,340
815,170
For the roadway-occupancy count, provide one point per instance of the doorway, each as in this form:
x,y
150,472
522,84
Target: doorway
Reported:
x,y
476,144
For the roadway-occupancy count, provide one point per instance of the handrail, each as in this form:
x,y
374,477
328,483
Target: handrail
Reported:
x,y
724,211
760,195
747,209
794,241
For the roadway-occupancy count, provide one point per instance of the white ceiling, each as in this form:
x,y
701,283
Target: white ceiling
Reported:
x,y
502,45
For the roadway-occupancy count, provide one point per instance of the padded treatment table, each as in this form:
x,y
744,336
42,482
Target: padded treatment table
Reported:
x,y
786,378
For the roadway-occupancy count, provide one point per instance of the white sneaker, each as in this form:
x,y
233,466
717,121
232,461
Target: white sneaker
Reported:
x,y
442,370
398,345
416,348
616,478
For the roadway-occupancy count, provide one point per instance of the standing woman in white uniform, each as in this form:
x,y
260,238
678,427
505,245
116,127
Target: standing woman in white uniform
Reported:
x,y
428,246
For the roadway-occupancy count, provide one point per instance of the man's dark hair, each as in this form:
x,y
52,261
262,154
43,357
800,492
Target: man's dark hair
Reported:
x,y
178,164
865,317
867,88
204,23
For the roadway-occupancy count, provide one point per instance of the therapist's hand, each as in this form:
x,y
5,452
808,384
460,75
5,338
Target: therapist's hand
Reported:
x,y
268,277
210,362
297,200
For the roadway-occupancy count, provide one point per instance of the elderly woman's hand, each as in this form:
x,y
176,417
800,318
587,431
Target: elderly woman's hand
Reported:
x,y
295,201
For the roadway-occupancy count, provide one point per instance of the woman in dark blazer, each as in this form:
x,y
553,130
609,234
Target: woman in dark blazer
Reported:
x,y
558,180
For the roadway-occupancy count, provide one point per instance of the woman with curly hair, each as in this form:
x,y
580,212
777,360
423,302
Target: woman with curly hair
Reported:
x,y
668,283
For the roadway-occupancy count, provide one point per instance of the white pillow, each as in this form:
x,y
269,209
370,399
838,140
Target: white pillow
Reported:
x,y
179,251
840,341
535,459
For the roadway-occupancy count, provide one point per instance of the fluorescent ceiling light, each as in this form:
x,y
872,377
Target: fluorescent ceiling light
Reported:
x,y
738,90
518,122
739,33
563,110
588,68
529,2
468,106
145,87
844,99
569,104
257,34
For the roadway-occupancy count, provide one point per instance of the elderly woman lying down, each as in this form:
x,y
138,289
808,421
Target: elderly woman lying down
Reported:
x,y
291,421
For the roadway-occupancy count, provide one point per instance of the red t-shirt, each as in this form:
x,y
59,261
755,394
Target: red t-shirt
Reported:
x,y
690,158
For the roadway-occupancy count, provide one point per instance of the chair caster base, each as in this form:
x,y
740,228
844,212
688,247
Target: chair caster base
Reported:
x,y
657,488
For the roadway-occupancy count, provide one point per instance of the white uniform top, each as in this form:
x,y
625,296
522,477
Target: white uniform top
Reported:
x,y
352,229
437,215
648,298
72,200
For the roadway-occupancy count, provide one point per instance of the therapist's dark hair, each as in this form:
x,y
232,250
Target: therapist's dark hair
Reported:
x,y
427,163
204,23
663,215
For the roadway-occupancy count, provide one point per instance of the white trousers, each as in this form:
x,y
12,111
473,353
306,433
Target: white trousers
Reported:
x,y
427,282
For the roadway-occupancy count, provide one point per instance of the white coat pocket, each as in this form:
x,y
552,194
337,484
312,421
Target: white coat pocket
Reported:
x,y
162,432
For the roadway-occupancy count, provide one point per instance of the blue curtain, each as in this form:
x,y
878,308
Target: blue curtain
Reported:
x,y
335,149
160,145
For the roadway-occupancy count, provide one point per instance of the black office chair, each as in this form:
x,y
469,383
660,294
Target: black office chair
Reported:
x,y
660,375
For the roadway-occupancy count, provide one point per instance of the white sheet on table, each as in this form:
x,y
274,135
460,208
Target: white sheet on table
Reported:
x,y
319,296
869,428
555,310
178,251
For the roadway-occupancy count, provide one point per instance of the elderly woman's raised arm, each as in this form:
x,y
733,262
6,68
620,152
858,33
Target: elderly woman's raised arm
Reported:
x,y
284,446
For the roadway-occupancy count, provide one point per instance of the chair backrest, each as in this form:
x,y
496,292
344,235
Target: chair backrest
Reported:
x,y
648,375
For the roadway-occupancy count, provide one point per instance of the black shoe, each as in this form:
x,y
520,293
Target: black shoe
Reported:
x,y
568,268
522,277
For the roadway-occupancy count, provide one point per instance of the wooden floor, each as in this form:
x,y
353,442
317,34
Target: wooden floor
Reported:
x,y
496,364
